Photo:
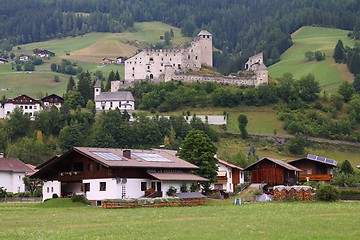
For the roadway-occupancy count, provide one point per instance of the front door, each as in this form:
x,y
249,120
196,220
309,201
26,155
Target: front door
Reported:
x,y
158,186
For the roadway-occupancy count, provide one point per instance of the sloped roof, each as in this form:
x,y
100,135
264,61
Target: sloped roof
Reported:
x,y
23,99
187,195
204,32
313,160
115,96
13,165
53,98
136,160
97,84
259,66
278,162
229,164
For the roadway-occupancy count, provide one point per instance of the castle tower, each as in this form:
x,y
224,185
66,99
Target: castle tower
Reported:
x,y
205,39
97,88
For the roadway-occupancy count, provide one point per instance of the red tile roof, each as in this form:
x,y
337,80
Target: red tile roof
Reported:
x,y
13,165
229,164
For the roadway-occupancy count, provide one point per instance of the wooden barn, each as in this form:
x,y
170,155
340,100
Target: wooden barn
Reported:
x,y
315,168
273,172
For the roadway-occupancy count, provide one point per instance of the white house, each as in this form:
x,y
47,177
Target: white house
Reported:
x,y
28,105
229,176
107,173
52,100
104,101
12,172
24,57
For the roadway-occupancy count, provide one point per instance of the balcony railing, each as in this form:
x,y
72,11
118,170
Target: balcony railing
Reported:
x,y
315,177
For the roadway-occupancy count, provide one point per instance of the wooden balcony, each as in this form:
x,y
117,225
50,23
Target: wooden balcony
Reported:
x,y
315,177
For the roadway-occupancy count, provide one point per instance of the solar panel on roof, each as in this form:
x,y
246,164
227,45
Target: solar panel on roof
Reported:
x,y
152,157
322,159
107,156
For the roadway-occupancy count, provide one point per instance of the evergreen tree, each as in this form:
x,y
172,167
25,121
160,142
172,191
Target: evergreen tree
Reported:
x,y
339,52
346,168
117,76
70,136
243,121
85,87
356,84
71,85
111,78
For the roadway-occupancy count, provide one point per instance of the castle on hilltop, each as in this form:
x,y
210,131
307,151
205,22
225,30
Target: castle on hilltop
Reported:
x,y
162,65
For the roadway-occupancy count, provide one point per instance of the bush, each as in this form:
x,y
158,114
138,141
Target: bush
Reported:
x,y
80,199
3,192
171,191
184,188
37,192
328,193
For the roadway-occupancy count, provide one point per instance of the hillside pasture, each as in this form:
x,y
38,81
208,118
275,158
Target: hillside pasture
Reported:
x,y
297,220
329,74
87,50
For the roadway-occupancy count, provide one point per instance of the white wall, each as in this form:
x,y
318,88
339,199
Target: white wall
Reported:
x,y
122,105
165,186
30,109
51,187
12,181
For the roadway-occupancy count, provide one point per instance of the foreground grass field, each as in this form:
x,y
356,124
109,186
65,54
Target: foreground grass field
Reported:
x,y
63,220
329,74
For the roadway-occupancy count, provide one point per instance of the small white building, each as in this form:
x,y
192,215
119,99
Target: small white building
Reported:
x,y
12,172
108,173
229,176
52,100
104,101
27,104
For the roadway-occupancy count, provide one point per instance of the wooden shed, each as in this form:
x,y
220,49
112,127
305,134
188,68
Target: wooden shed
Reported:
x,y
273,172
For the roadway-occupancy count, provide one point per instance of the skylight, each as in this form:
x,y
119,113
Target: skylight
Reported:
x,y
108,156
151,157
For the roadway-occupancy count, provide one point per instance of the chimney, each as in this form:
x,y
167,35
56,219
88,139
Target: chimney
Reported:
x,y
127,153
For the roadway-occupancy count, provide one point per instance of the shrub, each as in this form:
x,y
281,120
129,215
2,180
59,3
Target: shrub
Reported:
x,y
194,187
328,193
171,191
3,192
184,188
37,192
55,195
80,199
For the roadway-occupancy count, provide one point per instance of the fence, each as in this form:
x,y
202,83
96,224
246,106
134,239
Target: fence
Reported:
x,y
24,199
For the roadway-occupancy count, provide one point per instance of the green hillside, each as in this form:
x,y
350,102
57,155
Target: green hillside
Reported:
x,y
88,51
329,74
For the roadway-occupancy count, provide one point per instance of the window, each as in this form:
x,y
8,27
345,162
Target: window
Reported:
x,y
91,167
153,185
30,107
111,104
97,90
133,68
133,75
102,186
52,189
19,177
26,107
47,189
148,67
87,187
151,59
35,107
143,186
230,174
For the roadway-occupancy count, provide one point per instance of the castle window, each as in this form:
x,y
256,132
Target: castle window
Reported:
x,y
134,62
179,66
189,56
148,67
151,76
151,59
162,59
174,64
160,70
162,64
133,68
97,90
111,104
133,75
195,57
170,59
204,36
208,36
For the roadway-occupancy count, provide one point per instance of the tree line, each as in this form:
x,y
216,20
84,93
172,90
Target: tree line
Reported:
x,y
240,28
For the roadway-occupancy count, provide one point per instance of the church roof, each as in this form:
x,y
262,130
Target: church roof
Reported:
x,y
115,96
204,32
97,84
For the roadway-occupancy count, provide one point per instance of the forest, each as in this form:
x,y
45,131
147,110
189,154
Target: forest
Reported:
x,y
240,28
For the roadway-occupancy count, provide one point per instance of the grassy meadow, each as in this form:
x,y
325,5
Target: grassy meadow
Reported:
x,y
329,74
88,51
60,219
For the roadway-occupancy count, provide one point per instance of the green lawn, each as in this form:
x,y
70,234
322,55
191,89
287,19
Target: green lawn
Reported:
x,y
88,51
217,220
329,74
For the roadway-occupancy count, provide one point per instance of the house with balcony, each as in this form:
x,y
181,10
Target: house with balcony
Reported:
x,y
229,176
315,168
104,101
28,105
52,100
108,173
